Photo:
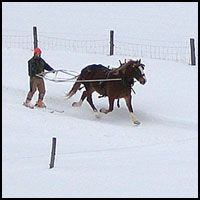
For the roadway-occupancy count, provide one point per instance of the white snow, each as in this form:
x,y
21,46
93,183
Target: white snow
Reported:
x,y
106,157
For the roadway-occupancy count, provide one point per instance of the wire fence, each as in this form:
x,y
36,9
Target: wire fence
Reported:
x,y
17,41
145,49
172,53
81,46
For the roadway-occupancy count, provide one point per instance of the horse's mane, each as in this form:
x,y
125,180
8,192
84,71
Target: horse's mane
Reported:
x,y
123,67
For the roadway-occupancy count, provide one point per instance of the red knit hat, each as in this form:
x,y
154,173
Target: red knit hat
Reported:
x,y
37,50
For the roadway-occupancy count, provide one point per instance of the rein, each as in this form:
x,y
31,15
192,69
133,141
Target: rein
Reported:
x,y
75,75
56,79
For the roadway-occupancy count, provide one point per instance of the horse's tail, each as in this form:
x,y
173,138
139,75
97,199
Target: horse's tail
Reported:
x,y
74,89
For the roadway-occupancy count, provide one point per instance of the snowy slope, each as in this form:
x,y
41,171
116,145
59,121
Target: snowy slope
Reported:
x,y
106,157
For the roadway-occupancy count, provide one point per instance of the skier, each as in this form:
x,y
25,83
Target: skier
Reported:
x,y
36,66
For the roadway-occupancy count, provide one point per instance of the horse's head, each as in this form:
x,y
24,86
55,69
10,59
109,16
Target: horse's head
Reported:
x,y
130,70
137,71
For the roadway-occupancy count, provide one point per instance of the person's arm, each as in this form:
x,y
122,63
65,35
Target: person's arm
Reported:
x,y
47,66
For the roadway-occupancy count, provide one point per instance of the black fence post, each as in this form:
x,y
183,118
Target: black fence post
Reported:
x,y
111,43
53,153
192,49
35,41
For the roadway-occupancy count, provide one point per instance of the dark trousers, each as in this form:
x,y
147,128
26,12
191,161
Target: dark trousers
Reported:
x,y
36,83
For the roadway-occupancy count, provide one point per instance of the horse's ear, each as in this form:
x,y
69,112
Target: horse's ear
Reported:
x,y
140,61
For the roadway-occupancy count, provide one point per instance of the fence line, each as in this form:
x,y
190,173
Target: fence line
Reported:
x,y
177,53
16,41
82,46
145,49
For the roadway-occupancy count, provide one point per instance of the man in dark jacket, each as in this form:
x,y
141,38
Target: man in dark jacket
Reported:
x,y
36,66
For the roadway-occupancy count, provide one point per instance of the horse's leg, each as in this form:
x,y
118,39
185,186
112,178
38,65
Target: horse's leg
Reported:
x,y
111,104
79,103
89,99
132,115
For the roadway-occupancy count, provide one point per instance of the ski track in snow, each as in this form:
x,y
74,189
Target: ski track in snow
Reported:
x,y
87,145
118,119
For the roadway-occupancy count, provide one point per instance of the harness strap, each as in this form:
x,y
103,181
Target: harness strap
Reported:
x,y
107,72
124,82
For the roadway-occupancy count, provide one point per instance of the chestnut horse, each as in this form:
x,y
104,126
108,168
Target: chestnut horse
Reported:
x,y
114,84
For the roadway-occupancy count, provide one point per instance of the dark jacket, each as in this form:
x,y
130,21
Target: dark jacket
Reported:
x,y
37,65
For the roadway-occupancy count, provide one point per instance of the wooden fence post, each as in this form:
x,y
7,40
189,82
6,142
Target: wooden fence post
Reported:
x,y
192,49
111,43
35,41
53,153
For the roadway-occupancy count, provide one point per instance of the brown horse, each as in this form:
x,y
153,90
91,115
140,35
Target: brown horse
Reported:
x,y
115,84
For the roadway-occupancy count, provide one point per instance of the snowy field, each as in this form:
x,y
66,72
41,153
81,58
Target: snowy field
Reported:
x,y
106,157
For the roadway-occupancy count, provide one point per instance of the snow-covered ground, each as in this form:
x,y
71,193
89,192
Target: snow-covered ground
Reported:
x,y
106,157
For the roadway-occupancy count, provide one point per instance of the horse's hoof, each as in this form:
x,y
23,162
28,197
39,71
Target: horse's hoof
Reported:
x,y
67,96
97,115
75,104
103,110
137,122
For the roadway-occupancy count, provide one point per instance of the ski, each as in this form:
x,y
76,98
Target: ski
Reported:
x,y
51,110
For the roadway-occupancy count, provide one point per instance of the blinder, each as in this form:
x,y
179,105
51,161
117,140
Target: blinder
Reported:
x,y
142,65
